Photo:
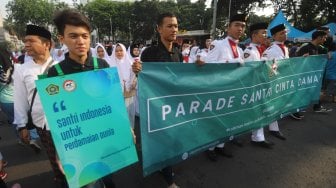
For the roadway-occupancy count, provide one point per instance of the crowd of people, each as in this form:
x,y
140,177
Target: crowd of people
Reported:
x,y
20,101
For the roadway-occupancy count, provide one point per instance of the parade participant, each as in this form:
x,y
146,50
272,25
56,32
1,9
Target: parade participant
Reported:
x,y
202,51
331,73
227,51
326,46
59,53
3,174
127,78
185,50
312,48
193,51
37,44
134,52
74,31
277,51
22,56
100,52
164,51
6,85
253,52
7,70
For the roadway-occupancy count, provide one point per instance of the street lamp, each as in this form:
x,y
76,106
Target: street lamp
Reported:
x,y
200,20
214,15
129,31
229,11
111,29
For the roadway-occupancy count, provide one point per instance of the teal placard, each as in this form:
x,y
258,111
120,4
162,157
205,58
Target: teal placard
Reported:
x,y
185,108
89,124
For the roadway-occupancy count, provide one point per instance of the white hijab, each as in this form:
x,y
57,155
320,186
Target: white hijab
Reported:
x,y
124,66
106,57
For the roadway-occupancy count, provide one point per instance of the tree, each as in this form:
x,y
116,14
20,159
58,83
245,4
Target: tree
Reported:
x,y
144,20
23,12
308,14
102,14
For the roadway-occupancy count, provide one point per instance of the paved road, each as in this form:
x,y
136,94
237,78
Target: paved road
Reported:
x,y
306,159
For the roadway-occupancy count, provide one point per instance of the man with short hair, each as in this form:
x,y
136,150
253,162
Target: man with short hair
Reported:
x,y
326,45
253,52
164,51
227,51
74,31
313,48
277,51
37,45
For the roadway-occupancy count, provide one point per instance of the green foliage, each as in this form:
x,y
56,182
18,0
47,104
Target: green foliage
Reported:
x,y
22,12
136,20
308,14
126,21
7,45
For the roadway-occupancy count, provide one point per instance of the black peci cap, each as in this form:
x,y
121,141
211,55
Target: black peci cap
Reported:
x,y
38,31
277,28
258,26
238,17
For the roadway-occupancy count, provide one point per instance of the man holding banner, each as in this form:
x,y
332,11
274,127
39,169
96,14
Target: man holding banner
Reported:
x,y
227,51
253,52
167,27
319,37
277,51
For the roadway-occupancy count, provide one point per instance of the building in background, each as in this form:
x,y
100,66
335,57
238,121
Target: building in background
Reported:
x,y
11,41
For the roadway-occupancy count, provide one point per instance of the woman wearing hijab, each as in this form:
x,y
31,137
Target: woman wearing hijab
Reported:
x,y
100,52
127,78
134,52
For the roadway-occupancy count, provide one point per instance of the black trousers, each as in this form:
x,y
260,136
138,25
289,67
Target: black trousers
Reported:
x,y
2,184
166,172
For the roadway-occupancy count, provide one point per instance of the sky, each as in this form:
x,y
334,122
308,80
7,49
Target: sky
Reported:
x,y
267,11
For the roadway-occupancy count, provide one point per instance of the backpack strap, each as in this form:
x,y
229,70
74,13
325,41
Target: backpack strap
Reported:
x,y
95,63
61,73
59,70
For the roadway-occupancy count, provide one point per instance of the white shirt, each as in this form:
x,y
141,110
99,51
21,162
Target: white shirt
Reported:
x,y
251,53
220,51
202,54
274,52
24,85
193,53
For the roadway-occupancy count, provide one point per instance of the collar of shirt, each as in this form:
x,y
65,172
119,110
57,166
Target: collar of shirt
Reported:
x,y
33,62
74,64
255,45
233,40
174,54
277,42
160,45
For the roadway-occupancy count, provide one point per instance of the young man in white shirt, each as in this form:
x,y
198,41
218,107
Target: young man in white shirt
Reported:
x,y
277,51
253,52
227,51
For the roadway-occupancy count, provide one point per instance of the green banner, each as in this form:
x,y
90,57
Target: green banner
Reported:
x,y
89,124
185,109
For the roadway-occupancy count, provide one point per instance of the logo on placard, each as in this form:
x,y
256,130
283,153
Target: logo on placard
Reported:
x,y
69,85
52,89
